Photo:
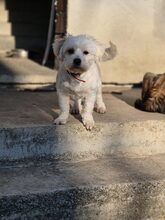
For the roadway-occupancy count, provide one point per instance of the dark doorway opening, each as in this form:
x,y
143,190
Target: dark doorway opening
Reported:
x,y
25,27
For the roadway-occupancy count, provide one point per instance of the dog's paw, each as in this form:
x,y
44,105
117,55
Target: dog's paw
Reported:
x,y
101,109
60,121
88,123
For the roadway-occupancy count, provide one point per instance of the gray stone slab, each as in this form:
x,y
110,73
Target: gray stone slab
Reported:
x,y
25,72
27,130
110,188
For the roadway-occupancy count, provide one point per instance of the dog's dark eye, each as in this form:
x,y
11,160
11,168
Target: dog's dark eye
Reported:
x,y
71,51
86,52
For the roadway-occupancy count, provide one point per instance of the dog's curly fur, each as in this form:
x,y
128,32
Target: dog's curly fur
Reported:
x,y
153,93
78,77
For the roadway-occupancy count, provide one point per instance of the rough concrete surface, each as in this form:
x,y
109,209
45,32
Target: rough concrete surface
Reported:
x,y
27,130
25,71
109,188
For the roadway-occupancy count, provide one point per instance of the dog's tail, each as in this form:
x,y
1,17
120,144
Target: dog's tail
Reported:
x,y
110,52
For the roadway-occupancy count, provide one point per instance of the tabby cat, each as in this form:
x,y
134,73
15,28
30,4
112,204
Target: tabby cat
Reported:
x,y
153,93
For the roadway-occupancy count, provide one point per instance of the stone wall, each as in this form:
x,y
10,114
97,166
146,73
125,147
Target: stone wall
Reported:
x,y
136,27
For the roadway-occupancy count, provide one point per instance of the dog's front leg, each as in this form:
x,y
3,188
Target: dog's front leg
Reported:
x,y
64,107
87,117
100,106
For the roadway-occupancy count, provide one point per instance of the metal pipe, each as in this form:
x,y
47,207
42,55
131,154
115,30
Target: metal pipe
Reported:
x,y
50,33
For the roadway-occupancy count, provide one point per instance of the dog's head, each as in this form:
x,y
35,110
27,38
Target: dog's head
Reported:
x,y
78,53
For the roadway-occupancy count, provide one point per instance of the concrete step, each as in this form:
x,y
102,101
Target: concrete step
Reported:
x,y
23,72
22,29
110,188
24,16
2,5
4,16
27,131
7,43
28,43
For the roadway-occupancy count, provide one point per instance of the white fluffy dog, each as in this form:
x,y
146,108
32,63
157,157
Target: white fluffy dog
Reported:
x,y
78,77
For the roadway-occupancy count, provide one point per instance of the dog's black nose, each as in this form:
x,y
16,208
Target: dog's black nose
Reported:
x,y
77,61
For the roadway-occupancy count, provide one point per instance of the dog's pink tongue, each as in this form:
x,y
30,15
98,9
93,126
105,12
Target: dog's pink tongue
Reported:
x,y
76,76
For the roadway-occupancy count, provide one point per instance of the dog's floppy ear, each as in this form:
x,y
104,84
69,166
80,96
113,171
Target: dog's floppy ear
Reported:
x,y
57,48
100,50
109,52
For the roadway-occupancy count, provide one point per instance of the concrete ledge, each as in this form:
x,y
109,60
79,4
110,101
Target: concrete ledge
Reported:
x,y
74,142
25,72
27,131
114,188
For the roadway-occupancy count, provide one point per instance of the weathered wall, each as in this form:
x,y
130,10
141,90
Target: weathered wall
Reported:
x,y
137,27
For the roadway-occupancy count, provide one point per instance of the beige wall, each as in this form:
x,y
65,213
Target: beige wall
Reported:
x,y
137,27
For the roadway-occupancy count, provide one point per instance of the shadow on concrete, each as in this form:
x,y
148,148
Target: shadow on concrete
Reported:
x,y
133,192
6,73
139,193
129,96
77,117
135,199
37,101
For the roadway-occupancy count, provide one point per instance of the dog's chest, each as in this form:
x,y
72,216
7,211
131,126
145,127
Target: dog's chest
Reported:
x,y
76,88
